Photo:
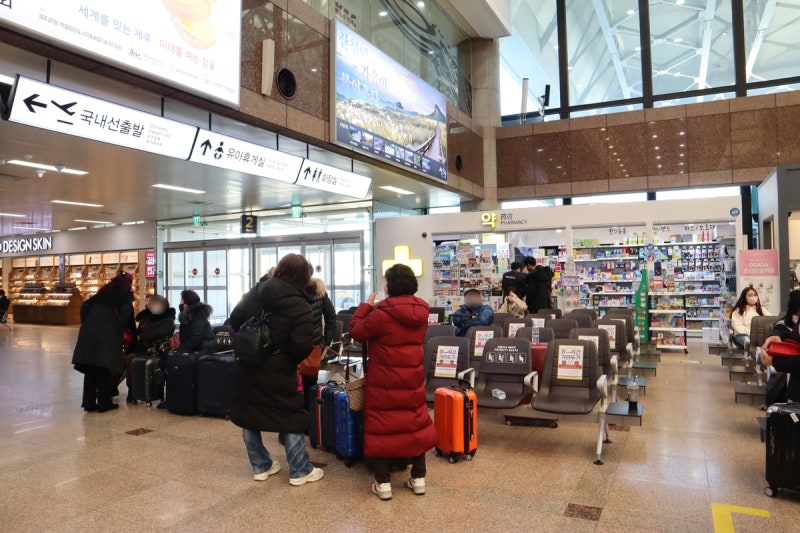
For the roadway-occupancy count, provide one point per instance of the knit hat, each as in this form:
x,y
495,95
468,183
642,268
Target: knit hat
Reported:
x,y
190,297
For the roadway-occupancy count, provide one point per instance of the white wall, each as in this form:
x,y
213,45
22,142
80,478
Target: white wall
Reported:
x,y
408,230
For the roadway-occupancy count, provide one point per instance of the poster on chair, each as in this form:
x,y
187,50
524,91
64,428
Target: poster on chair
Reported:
x,y
570,362
446,362
481,338
759,269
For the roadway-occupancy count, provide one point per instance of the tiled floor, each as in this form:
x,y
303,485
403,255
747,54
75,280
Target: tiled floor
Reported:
x,y
63,470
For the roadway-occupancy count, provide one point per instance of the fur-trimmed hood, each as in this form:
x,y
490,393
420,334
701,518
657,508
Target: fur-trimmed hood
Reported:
x,y
317,290
192,312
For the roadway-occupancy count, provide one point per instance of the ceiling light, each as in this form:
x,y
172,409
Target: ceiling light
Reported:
x,y
677,40
82,204
656,147
133,222
681,133
11,215
313,70
659,166
93,221
382,13
658,157
420,4
39,166
398,190
631,12
430,52
655,136
681,145
31,228
179,189
679,2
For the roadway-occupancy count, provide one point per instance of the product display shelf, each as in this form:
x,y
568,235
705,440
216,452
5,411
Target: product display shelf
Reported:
x,y
92,281
48,276
16,281
132,268
607,273
27,307
62,305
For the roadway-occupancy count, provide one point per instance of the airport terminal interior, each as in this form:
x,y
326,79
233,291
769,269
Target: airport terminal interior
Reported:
x,y
637,160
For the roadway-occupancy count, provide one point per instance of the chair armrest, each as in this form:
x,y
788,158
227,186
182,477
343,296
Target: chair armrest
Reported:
x,y
602,386
614,368
532,381
462,376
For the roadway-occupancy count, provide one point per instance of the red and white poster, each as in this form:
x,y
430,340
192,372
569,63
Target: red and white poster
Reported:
x,y
446,362
570,362
481,337
759,269
513,328
149,264
612,335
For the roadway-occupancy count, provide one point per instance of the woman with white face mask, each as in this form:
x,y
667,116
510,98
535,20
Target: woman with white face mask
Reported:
x,y
748,306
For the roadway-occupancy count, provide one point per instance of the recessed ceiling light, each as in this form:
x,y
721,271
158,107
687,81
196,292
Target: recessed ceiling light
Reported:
x,y
313,70
631,12
420,4
93,221
382,13
82,204
31,228
11,215
681,133
52,168
179,189
397,190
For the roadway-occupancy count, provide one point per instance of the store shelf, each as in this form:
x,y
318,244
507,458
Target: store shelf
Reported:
x,y
613,293
665,294
619,258
703,293
659,328
666,311
703,306
608,280
600,246
701,319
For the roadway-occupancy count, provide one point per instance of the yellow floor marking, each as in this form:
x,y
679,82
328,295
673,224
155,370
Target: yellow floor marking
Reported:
x,y
723,516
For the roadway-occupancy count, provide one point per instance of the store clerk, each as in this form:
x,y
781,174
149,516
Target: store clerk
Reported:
x,y
473,313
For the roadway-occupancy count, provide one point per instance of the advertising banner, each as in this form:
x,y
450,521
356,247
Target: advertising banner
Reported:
x,y
759,269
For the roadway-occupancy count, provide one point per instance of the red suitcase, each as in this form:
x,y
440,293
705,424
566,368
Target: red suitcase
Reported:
x,y
455,416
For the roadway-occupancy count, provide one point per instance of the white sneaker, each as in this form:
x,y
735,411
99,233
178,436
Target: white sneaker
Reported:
x,y
274,469
315,475
416,484
382,490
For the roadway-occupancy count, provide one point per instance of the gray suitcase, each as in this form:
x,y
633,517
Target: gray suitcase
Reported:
x,y
147,379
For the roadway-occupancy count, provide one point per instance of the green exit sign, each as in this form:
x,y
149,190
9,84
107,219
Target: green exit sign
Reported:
x,y
297,211
196,221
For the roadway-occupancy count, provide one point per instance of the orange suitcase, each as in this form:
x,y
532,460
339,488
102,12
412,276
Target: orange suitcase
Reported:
x,y
455,416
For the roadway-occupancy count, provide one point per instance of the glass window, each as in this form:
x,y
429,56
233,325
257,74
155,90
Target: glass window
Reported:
x,y
348,271
238,275
319,255
518,204
610,198
531,51
692,45
771,39
694,99
266,258
195,269
604,54
709,192
605,110
775,89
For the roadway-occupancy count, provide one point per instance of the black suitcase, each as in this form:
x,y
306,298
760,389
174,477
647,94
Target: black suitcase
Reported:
x,y
224,337
215,375
147,379
182,384
776,388
783,448
322,410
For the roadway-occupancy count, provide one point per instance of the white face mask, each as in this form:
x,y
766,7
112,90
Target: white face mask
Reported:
x,y
752,300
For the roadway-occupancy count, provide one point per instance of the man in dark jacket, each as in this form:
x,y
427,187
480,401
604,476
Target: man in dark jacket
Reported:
x,y
5,303
514,280
98,352
266,397
197,335
473,313
538,285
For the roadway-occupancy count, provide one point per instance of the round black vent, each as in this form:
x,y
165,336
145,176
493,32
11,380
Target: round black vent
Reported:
x,y
287,84
459,163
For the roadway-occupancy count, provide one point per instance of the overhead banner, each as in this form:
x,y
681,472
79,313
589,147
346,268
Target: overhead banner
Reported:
x,y
759,269
192,44
56,109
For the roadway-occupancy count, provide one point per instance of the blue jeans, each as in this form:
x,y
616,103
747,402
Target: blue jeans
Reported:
x,y
740,339
296,454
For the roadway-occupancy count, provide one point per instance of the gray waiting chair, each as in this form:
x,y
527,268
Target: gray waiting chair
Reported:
x,y
477,337
584,320
506,366
435,375
562,327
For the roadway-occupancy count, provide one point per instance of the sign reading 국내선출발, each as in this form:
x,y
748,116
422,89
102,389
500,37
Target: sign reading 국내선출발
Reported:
x,y
193,44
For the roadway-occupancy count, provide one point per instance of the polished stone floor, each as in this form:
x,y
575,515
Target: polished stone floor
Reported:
x,y
63,470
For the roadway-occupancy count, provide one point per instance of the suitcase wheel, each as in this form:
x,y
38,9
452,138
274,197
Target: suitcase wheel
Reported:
x,y
508,422
469,456
348,463
437,452
453,459
771,491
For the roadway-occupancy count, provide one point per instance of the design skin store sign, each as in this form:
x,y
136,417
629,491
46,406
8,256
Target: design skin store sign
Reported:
x,y
24,245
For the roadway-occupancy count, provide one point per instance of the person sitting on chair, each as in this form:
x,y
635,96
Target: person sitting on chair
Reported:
x,y
786,329
473,313
747,306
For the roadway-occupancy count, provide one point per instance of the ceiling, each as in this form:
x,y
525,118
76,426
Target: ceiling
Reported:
x,y
121,180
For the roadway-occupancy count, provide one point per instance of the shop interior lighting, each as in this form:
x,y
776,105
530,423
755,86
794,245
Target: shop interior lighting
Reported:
x,y
39,166
398,190
81,204
178,189
12,215
93,221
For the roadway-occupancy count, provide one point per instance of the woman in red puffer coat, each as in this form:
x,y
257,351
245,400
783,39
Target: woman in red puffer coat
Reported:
x,y
396,419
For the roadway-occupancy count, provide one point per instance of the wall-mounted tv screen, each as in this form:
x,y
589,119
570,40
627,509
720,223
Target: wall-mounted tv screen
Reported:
x,y
382,109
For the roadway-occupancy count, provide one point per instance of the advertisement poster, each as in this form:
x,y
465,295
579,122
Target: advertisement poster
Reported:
x,y
446,362
570,362
384,110
513,328
595,339
612,334
193,44
539,322
481,337
759,269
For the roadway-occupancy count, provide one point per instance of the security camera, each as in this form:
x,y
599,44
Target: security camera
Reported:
x,y
424,234
40,173
59,167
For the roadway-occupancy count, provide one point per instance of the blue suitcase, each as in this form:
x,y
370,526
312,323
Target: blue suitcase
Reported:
x,y
349,430
322,432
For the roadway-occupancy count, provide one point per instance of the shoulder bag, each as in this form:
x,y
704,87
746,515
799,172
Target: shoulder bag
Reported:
x,y
252,344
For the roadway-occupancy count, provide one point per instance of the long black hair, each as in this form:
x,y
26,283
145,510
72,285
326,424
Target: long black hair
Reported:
x,y
792,308
741,303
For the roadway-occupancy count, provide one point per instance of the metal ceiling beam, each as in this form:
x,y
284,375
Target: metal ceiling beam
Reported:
x,y
761,33
705,49
608,36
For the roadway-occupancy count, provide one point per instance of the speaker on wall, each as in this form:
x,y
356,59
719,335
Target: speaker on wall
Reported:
x,y
287,84
267,65
459,163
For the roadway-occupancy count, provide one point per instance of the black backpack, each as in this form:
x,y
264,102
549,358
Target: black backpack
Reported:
x,y
252,344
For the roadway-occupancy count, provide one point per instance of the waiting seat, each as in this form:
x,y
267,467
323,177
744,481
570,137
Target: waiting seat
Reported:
x,y
584,320
630,321
500,319
760,329
607,362
561,327
513,325
575,387
546,335
439,330
539,319
506,366
436,315
438,373
586,311
553,312
478,336
334,350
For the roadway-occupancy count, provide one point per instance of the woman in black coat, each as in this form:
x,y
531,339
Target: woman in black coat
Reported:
x,y
324,316
197,335
266,397
786,329
98,353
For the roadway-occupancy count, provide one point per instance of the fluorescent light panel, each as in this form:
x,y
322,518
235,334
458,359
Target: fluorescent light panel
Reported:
x,y
82,204
398,190
179,189
8,80
12,215
92,221
47,167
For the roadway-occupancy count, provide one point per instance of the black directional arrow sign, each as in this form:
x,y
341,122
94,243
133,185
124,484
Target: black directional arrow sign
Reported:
x,y
206,146
31,102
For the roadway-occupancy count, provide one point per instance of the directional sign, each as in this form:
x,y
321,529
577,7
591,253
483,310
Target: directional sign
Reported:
x,y
53,108
327,178
234,154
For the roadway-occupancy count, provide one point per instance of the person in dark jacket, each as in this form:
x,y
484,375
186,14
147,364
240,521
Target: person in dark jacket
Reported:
x,y
473,313
98,351
538,285
514,280
324,316
786,329
197,335
266,397
5,303
156,324
396,419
